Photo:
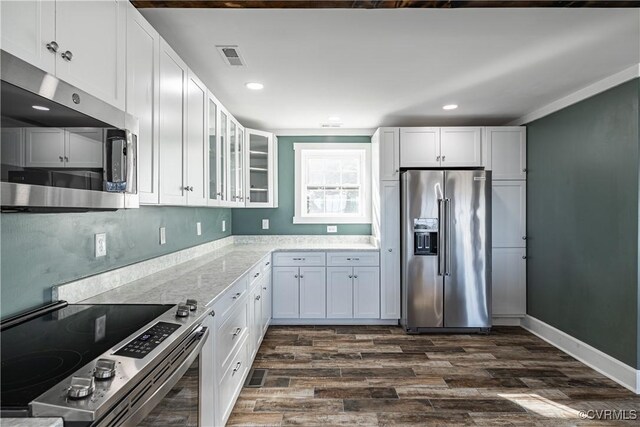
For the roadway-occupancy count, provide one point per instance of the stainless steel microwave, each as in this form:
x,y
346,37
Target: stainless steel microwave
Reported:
x,y
61,148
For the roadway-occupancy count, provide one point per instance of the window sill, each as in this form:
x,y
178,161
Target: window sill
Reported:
x,y
330,220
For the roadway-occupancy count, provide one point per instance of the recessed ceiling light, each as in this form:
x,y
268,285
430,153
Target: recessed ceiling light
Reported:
x,y
254,85
450,107
40,107
334,119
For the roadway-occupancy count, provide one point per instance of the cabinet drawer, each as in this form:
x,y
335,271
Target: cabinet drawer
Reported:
x,y
291,259
266,265
230,333
346,259
230,298
255,273
231,381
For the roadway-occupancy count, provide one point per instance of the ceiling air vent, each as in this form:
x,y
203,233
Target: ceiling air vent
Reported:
x,y
231,56
331,125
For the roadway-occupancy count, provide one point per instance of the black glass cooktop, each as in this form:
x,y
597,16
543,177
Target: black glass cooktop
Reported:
x,y
41,352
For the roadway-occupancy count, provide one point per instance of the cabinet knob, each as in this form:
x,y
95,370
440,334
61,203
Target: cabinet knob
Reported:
x,y
296,276
350,277
443,157
524,257
237,332
437,158
301,276
237,295
66,159
397,170
524,170
390,250
68,55
355,277
264,287
237,368
257,297
218,194
524,237
61,158
52,46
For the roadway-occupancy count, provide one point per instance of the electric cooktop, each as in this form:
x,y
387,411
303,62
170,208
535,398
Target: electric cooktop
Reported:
x,y
38,353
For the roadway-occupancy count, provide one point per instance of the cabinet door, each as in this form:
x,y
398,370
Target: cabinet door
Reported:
x,y
240,165
508,148
26,28
255,329
223,157
461,146
266,301
84,148
509,282
366,292
92,38
208,380
390,250
213,164
285,293
143,49
44,147
339,292
173,78
12,147
313,292
233,162
390,154
196,146
419,147
259,174
508,214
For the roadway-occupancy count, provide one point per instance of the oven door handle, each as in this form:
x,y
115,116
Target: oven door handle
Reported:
x,y
198,335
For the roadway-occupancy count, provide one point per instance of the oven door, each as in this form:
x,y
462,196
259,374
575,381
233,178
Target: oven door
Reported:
x,y
153,400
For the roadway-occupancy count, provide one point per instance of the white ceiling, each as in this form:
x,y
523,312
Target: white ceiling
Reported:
x,y
397,67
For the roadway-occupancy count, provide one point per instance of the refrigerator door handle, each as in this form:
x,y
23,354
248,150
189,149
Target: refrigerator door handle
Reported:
x,y
441,237
447,257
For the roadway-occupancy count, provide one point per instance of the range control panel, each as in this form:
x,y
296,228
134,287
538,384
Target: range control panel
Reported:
x,y
148,340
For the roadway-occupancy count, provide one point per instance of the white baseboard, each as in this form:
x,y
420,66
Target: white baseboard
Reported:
x,y
506,321
618,371
332,322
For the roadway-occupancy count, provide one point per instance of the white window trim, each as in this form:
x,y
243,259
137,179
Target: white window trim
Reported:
x,y
298,218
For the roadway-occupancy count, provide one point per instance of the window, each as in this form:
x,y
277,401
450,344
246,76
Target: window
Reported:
x,y
333,183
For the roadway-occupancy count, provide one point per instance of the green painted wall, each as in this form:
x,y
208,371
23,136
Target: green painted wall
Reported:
x,y
42,250
582,221
249,221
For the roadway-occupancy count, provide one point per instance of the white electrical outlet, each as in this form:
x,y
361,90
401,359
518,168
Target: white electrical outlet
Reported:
x,y
265,224
332,228
101,244
224,225
163,236
198,229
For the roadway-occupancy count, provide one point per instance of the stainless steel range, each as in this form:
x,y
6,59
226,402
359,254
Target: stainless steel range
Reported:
x,y
97,365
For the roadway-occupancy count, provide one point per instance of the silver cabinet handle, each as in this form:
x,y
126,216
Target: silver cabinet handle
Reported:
x,y
212,314
301,276
66,159
218,194
236,333
350,276
237,368
247,198
267,263
257,297
296,276
397,170
355,277
353,259
524,257
390,250
52,46
524,237
68,55
437,158
256,275
190,188
237,295
443,157
298,259
61,158
264,287
524,170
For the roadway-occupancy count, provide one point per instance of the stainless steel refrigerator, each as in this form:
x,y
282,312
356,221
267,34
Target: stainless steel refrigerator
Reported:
x,y
446,250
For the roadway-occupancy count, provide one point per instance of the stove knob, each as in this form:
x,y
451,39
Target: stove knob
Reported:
x,y
80,387
105,369
183,311
193,304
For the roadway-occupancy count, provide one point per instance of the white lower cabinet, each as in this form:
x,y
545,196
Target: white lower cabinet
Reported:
x,y
285,293
509,293
231,381
339,292
312,292
366,292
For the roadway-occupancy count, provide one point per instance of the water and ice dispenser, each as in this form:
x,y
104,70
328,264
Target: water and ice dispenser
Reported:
x,y
425,236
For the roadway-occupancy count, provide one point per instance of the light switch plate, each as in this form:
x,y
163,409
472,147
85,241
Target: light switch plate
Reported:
x,y
224,225
101,244
332,228
198,229
163,236
265,224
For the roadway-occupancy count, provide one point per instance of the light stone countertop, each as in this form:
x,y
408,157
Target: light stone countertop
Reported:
x,y
31,422
207,277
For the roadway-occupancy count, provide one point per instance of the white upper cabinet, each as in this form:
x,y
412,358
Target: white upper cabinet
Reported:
x,y
27,28
419,147
173,83
92,41
81,42
143,50
197,145
461,146
508,214
260,169
507,147
213,158
389,140
240,166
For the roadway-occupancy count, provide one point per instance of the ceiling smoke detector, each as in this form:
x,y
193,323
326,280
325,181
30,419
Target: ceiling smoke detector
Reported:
x,y
231,56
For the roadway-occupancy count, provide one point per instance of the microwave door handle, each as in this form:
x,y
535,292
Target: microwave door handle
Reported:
x,y
130,158
441,231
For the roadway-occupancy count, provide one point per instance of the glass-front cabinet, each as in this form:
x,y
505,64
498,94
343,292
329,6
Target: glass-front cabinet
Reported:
x,y
240,166
213,159
261,178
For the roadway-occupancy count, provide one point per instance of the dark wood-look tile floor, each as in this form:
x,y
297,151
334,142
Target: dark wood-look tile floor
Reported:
x,y
379,376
